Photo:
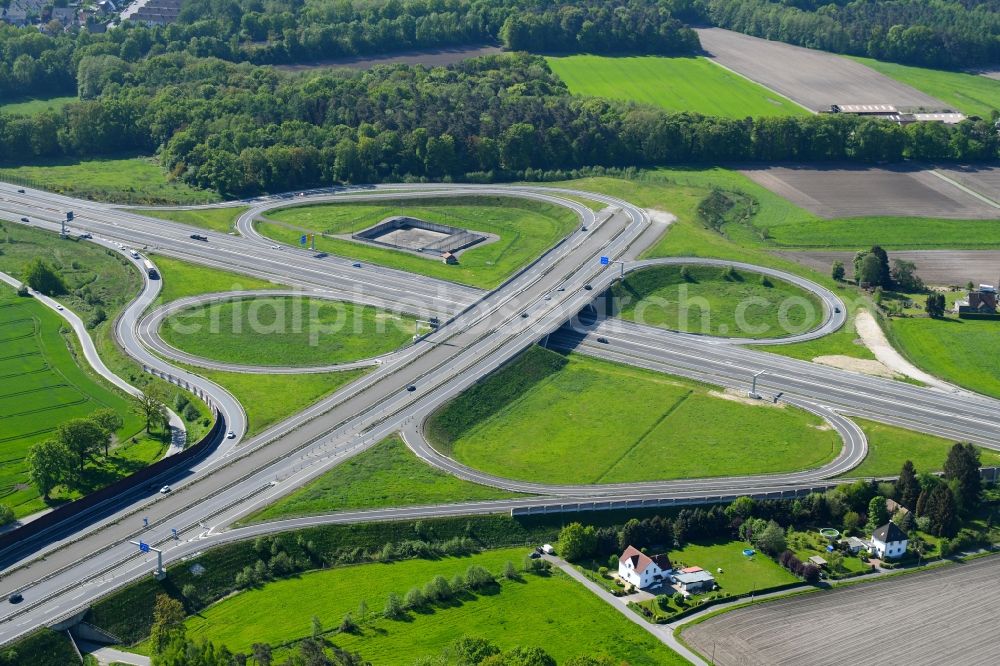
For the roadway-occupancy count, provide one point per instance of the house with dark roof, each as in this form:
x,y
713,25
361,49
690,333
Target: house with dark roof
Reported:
x,y
641,570
888,542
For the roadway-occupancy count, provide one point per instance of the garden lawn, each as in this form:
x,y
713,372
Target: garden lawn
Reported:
x,y
552,612
386,475
41,386
961,351
526,229
889,447
181,279
740,574
222,220
287,331
34,105
971,94
714,301
543,410
269,399
676,84
133,179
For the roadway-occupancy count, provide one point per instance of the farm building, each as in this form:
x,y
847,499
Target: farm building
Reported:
x,y
891,112
889,541
641,570
982,301
692,580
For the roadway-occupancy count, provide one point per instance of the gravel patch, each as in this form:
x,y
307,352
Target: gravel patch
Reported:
x,y
814,79
837,191
945,615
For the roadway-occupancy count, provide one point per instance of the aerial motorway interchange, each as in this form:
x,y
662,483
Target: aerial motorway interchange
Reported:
x,y
555,300
499,332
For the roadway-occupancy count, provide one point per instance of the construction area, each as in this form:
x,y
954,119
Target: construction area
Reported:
x,y
422,237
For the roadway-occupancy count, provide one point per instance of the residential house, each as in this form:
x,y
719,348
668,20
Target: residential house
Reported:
x,y
855,545
888,542
982,301
641,570
694,580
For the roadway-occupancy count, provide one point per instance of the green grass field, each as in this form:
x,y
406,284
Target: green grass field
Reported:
x,y
386,475
42,386
222,220
182,279
889,447
269,399
971,94
544,409
960,351
553,612
33,106
712,301
740,574
675,84
287,331
526,229
132,179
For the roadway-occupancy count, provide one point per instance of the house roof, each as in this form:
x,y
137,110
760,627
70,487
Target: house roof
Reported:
x,y
691,569
640,561
888,533
699,576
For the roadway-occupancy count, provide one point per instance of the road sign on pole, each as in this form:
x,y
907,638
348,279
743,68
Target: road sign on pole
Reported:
x,y
302,239
605,261
143,547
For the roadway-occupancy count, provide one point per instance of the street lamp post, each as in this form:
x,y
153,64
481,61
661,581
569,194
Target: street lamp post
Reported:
x,y
753,385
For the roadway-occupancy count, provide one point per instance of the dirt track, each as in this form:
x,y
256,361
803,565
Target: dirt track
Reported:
x,y
851,191
431,58
935,267
814,79
940,616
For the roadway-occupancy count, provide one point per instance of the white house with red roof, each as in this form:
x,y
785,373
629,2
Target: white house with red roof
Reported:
x,y
641,570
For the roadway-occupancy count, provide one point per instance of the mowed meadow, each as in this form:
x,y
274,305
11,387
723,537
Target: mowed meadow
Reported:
x,y
675,84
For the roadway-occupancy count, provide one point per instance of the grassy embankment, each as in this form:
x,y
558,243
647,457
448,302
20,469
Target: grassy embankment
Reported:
x,y
544,409
287,331
677,84
222,220
714,301
889,447
386,475
133,179
526,229
267,399
565,618
970,94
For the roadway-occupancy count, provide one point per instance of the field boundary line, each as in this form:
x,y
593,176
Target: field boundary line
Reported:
x,y
982,197
711,59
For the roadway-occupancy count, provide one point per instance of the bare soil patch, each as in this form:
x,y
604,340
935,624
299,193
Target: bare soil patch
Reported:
x,y
935,267
983,180
814,79
838,191
903,617
862,365
430,58
741,397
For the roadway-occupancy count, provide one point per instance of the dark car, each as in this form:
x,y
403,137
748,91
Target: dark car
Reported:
x,y
411,388
25,220
321,255
84,236
535,555
602,340
356,264
15,598
199,237
524,315
587,287
21,191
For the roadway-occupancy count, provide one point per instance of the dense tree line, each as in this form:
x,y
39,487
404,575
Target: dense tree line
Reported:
x,y
241,129
933,33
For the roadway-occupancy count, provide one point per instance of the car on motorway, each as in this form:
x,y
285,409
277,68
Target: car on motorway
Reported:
x,y
165,489
25,220
230,435
275,247
133,254
548,297
17,597
321,255
20,190
602,340
524,315
199,237
356,264
583,228
836,310
60,308
411,388
587,287
84,236
561,289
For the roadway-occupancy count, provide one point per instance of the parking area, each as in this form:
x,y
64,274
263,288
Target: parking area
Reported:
x,y
945,615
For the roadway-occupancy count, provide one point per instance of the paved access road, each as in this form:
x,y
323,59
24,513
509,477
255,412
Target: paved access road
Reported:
x,y
945,615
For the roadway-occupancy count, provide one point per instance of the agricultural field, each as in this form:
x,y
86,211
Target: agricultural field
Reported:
x,y
677,84
970,94
222,220
42,387
849,623
814,79
715,301
270,399
130,179
386,475
889,447
286,331
526,229
553,612
935,267
34,106
527,420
